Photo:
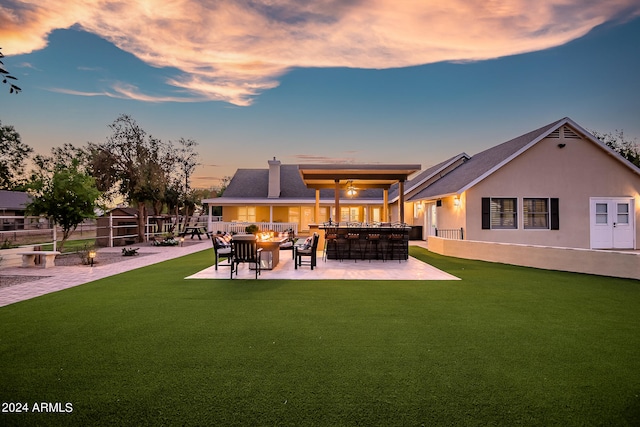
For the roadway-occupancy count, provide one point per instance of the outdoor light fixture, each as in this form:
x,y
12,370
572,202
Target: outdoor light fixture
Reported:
x,y
456,202
92,256
351,190
181,241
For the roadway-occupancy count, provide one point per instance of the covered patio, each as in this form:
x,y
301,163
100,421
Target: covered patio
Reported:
x,y
353,177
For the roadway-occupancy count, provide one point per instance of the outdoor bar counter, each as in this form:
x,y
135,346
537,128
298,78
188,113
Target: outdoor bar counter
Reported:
x,y
364,242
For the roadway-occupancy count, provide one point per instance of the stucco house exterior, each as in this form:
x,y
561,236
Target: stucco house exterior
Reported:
x,y
555,186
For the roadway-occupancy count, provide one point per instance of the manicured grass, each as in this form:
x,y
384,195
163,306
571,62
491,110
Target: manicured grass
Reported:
x,y
503,346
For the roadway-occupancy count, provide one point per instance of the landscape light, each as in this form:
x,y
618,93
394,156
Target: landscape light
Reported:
x,y
92,256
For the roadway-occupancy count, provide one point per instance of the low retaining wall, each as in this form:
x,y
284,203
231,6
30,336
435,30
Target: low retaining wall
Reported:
x,y
604,263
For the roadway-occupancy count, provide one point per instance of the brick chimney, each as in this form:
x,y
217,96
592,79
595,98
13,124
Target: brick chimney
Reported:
x,y
274,179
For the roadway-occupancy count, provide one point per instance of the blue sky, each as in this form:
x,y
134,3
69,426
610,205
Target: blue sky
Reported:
x,y
338,108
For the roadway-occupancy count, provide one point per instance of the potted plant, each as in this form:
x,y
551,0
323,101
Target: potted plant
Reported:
x,y
252,229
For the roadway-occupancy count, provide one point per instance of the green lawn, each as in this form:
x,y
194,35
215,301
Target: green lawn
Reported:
x,y
503,346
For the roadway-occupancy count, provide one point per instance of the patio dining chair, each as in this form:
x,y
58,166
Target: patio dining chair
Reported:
x,y
244,249
307,252
221,249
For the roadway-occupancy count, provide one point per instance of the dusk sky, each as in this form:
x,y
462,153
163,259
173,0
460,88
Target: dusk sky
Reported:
x,y
312,81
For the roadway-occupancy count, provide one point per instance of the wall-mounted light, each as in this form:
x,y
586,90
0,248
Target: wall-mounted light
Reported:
x,y
456,202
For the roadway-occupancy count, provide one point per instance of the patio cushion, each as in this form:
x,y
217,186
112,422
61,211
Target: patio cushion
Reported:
x,y
222,242
307,244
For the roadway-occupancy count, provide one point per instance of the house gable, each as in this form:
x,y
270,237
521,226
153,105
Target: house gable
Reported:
x,y
485,163
566,169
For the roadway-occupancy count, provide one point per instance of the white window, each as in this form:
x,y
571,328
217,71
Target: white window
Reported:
x,y
349,214
535,213
294,215
376,214
504,213
324,217
247,214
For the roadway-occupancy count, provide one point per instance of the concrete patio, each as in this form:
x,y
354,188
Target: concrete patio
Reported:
x,y
63,277
411,269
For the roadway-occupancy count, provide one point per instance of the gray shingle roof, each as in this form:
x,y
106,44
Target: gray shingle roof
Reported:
x,y
482,163
424,175
14,200
254,184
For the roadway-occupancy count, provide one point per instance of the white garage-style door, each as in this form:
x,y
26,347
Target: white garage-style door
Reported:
x,y
612,223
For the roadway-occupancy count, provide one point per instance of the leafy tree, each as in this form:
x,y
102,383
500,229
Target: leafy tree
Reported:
x,y
132,164
13,155
616,141
67,195
6,75
66,156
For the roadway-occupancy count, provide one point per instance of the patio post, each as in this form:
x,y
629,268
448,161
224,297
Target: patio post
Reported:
x,y
401,201
337,213
316,213
385,205
210,219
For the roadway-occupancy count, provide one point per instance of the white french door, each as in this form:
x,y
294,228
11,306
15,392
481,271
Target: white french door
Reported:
x,y
612,223
431,220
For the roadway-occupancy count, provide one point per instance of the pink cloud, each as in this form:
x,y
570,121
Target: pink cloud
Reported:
x,y
233,50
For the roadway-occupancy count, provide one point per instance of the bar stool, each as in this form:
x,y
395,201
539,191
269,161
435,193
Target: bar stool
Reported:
x,y
397,246
373,239
331,239
353,237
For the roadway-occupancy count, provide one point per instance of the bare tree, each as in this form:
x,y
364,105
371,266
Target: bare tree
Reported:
x,y
133,164
187,159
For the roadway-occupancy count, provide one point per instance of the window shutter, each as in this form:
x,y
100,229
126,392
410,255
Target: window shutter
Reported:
x,y
486,213
555,214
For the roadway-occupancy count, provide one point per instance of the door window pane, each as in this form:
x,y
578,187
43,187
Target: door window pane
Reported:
x,y
601,213
623,213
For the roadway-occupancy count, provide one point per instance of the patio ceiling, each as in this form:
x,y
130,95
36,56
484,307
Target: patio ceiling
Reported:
x,y
362,176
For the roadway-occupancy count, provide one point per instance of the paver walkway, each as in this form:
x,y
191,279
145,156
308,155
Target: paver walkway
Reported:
x,y
63,277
